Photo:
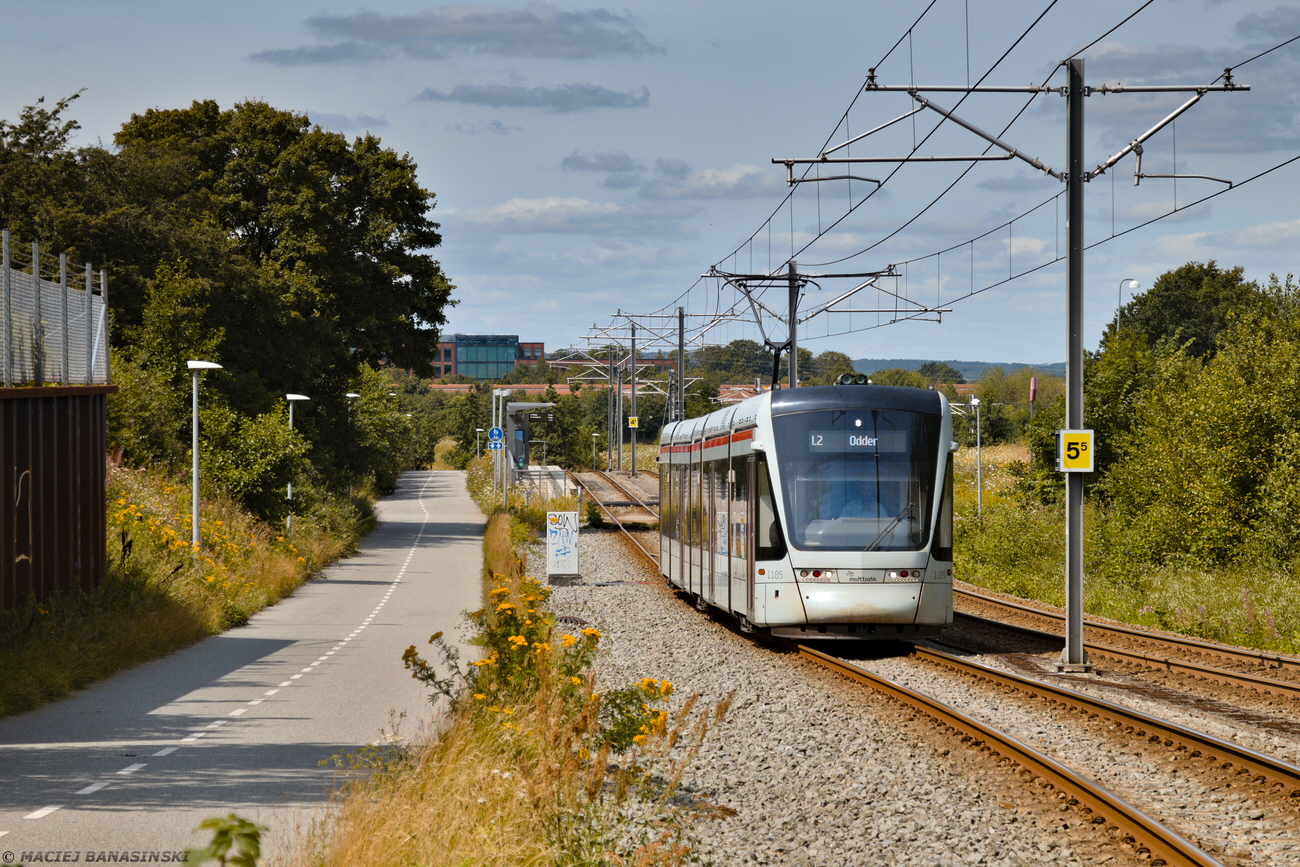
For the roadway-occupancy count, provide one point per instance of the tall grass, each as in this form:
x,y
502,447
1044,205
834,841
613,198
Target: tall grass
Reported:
x,y
159,593
535,763
1018,546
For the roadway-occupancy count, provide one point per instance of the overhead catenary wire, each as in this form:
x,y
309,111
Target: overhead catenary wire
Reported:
x,y
722,310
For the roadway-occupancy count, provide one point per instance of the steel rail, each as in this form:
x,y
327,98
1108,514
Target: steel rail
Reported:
x,y
1236,654
1160,841
1199,744
626,491
599,504
1265,685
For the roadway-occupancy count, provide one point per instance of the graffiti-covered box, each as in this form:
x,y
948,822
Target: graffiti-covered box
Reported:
x,y
561,545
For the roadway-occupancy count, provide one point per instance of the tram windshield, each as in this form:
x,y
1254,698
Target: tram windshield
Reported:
x,y
858,480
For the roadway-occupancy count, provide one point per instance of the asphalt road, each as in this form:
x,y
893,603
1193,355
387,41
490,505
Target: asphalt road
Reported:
x,y
247,722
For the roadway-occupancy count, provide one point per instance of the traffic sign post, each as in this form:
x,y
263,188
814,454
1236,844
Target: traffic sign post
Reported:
x,y
632,421
496,435
1075,451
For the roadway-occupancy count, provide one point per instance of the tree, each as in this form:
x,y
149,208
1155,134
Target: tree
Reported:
x,y
937,371
898,376
36,167
298,258
826,367
1192,304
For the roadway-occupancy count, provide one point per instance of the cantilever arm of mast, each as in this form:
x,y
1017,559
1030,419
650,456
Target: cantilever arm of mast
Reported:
x,y
1136,144
857,138
990,138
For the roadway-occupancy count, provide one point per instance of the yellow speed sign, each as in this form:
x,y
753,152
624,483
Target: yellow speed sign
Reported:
x,y
1074,451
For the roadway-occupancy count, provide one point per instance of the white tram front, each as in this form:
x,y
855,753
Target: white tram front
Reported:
x,y
820,512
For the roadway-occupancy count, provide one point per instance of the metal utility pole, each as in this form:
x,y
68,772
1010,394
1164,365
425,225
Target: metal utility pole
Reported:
x,y
681,363
1077,459
1073,656
610,419
632,431
618,414
793,275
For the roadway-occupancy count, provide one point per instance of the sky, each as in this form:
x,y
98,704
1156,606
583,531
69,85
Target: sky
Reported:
x,y
591,163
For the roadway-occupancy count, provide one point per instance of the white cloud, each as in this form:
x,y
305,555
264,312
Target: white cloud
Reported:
x,y
737,182
555,214
561,99
1278,237
537,30
495,127
601,160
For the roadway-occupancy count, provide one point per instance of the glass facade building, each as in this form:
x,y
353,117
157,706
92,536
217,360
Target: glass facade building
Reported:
x,y
485,356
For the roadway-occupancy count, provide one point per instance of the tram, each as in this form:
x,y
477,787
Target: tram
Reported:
x,y
818,512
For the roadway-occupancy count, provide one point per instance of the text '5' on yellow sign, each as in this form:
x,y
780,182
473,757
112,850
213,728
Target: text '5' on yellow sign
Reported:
x,y
632,420
1074,451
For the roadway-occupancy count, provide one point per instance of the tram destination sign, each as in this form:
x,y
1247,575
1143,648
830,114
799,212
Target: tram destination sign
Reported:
x,y
856,440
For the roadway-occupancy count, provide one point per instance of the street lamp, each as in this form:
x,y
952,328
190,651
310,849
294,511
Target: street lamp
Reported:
x,y
1126,283
593,450
195,367
478,442
979,461
292,398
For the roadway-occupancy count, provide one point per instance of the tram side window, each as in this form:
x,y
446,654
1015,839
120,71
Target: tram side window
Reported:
x,y
679,503
698,505
768,536
739,505
943,532
666,501
718,504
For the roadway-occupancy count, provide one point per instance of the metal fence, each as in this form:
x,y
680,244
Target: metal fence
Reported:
x,y
52,331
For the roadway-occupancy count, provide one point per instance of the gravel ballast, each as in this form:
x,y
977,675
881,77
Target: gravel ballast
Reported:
x,y
819,771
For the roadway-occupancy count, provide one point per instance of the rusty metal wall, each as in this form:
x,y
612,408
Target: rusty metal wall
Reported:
x,y
52,476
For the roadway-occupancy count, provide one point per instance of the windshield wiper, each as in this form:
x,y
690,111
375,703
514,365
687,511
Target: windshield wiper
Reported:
x,y
889,529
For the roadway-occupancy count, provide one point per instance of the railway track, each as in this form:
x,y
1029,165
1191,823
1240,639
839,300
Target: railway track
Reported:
x,y
1164,652
1151,838
629,512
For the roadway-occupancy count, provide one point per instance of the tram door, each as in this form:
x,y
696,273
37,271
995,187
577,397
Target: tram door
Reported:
x,y
751,548
710,486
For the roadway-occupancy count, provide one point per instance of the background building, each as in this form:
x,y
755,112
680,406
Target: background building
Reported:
x,y
485,356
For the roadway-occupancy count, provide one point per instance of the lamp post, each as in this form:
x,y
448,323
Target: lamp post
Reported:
x,y
478,442
292,399
1126,283
979,461
195,367
593,450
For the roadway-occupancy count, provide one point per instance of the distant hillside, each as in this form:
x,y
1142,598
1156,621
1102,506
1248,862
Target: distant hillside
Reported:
x,y
970,370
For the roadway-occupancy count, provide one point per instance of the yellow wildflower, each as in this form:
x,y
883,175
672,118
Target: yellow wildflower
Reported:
x,y
569,640
577,681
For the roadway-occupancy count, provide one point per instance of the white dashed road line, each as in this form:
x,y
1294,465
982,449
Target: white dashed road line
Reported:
x,y
43,812
191,738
